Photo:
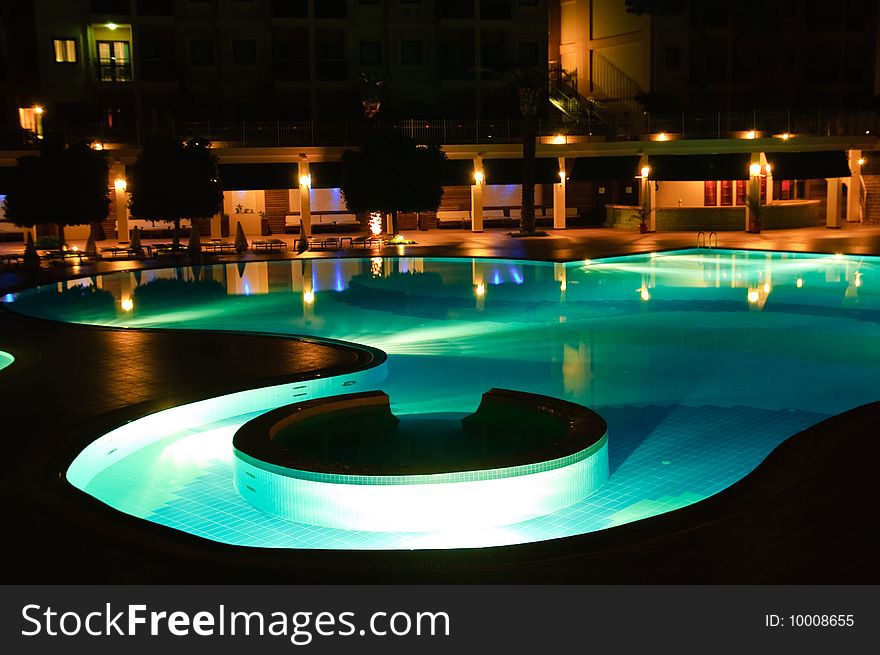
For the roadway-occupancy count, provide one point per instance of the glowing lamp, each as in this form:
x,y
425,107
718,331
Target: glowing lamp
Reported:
x,y
559,139
38,110
120,184
753,296
646,171
861,161
480,290
662,136
754,169
127,304
308,297
305,180
478,177
562,176
750,134
112,26
768,168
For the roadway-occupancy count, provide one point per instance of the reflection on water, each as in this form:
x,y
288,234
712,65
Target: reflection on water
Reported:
x,y
689,327
701,362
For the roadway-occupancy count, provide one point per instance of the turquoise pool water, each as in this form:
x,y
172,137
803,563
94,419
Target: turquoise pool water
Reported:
x,y
5,359
701,362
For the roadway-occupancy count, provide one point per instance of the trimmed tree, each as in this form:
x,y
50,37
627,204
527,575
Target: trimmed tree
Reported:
x,y
173,180
62,186
390,173
529,86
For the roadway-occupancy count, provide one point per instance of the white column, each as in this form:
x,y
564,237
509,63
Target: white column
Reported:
x,y
559,208
647,193
854,188
120,200
215,226
753,188
305,200
834,203
477,195
768,172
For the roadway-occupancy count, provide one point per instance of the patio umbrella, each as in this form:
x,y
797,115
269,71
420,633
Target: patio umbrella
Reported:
x,y
135,243
195,243
30,252
241,242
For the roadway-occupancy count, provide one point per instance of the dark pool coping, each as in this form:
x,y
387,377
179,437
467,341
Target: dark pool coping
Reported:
x,y
754,531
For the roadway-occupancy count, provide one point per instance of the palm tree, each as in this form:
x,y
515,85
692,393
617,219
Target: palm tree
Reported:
x,y
529,87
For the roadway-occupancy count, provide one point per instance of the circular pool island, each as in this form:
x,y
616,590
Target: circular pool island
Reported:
x,y
347,462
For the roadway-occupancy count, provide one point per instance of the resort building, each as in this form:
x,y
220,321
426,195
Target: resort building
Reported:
x,y
610,153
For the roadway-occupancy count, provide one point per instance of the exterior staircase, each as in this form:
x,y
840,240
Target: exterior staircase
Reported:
x,y
613,108
586,115
872,199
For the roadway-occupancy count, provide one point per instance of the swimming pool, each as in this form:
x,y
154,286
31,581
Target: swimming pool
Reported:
x,y
5,359
701,362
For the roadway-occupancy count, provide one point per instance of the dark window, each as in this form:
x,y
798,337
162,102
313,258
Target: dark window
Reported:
x,y
371,53
114,61
527,54
290,54
710,193
495,9
155,7
411,53
110,7
786,60
824,62
673,61
455,9
201,53
64,51
331,9
726,193
330,60
858,14
290,8
492,52
822,15
244,52
156,54
455,55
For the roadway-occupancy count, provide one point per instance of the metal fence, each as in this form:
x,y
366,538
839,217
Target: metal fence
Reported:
x,y
717,125
481,131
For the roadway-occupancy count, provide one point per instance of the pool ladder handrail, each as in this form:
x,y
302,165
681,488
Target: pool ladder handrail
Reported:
x,y
706,242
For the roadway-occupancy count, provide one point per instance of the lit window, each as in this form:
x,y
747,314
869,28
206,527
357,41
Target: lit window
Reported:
x,y
114,61
27,118
65,50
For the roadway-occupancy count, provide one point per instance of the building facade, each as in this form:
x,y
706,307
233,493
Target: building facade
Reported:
x,y
157,61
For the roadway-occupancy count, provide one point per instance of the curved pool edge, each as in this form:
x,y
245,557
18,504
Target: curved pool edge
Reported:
x,y
6,359
695,544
